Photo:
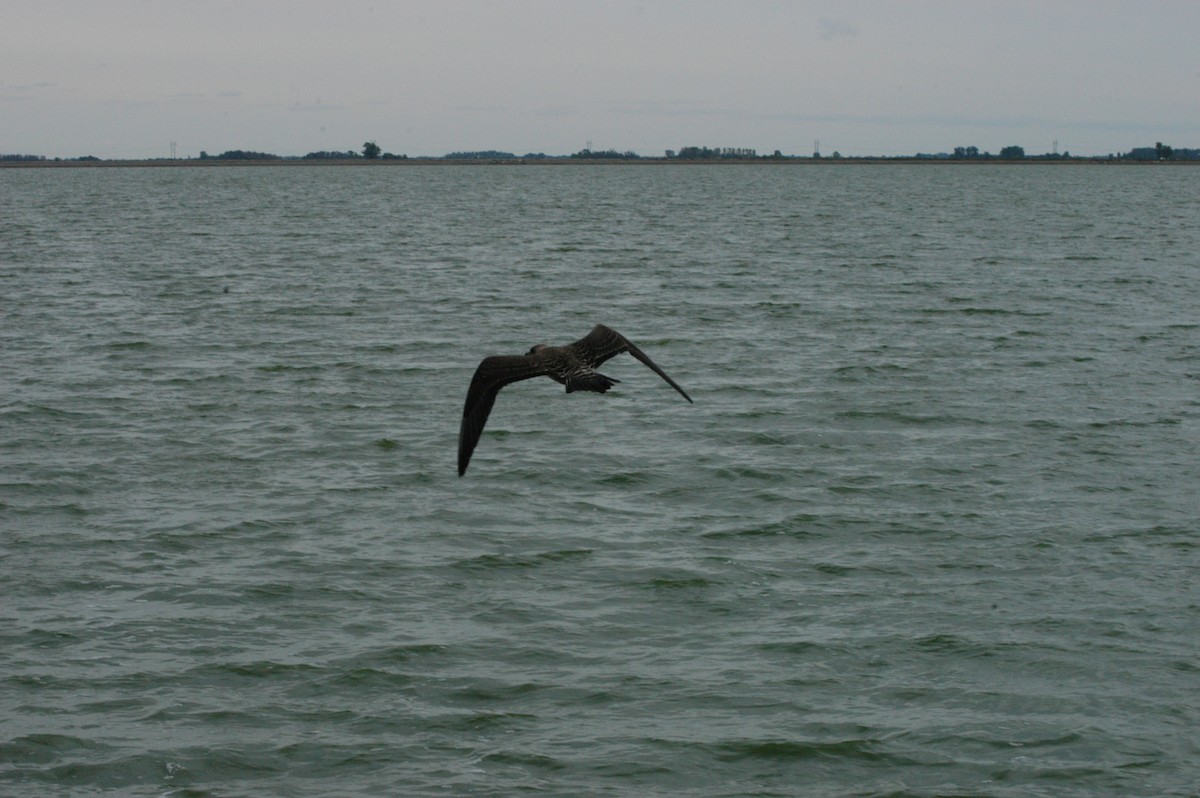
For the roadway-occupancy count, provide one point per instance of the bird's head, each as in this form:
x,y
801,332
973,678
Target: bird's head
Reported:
x,y
536,348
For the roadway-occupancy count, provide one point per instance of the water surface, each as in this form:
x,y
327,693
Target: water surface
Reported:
x,y
930,527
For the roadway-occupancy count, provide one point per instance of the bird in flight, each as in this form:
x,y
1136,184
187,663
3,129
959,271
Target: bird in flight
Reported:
x,y
572,365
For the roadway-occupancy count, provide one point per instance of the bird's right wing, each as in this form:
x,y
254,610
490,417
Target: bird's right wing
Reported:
x,y
492,375
604,342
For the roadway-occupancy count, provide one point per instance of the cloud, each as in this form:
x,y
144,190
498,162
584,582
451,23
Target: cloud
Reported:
x,y
316,106
543,111
661,108
41,84
836,29
481,109
553,111
10,92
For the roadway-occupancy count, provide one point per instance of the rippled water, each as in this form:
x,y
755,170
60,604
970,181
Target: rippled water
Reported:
x,y
930,527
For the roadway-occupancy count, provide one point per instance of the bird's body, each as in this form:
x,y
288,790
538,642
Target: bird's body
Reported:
x,y
572,365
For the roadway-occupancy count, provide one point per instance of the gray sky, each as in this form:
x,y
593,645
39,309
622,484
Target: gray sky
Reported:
x,y
125,78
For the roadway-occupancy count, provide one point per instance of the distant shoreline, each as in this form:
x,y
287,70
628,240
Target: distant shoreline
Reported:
x,y
552,162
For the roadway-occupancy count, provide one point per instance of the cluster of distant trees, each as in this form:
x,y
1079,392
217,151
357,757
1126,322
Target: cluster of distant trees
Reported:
x,y
1159,152
370,151
37,158
605,155
350,155
1162,152
501,155
481,155
492,155
1011,153
330,155
239,155
703,153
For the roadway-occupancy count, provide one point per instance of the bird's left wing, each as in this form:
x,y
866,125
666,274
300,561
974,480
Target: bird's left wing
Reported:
x,y
492,375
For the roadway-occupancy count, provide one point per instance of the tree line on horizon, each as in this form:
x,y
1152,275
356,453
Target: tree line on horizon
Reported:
x,y
372,151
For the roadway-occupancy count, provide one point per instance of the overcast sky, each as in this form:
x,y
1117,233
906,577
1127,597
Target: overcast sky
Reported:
x,y
125,78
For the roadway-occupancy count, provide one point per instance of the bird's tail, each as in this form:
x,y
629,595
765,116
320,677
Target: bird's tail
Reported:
x,y
590,382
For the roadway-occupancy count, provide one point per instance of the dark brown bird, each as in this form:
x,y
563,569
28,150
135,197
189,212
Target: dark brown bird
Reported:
x,y
571,365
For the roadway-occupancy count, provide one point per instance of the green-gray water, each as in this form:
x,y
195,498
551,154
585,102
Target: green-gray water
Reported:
x,y
930,527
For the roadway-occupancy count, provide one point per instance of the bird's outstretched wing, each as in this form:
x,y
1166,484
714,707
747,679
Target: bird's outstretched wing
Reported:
x,y
492,375
604,342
